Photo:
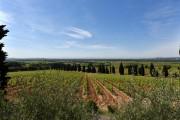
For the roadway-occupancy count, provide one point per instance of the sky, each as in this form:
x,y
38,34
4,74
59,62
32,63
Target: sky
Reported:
x,y
91,28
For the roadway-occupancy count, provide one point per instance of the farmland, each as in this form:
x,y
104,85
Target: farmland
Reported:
x,y
56,94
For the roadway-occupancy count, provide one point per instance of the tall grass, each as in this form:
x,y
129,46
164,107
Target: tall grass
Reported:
x,y
159,104
55,99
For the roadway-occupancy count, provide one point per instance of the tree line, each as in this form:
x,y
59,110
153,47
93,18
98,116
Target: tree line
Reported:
x,y
130,69
133,69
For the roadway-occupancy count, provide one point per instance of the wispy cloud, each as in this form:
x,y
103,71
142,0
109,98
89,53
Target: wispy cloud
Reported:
x,y
77,33
100,46
5,17
75,44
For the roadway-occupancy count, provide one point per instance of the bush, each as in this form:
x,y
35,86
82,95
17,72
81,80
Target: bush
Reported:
x,y
156,105
92,107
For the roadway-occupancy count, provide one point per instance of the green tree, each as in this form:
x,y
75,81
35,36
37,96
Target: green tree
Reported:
x,y
121,69
165,71
3,55
106,70
141,70
151,69
134,69
93,69
79,68
84,69
129,69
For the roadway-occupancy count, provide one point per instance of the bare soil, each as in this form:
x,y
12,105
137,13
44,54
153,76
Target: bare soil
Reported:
x,y
105,97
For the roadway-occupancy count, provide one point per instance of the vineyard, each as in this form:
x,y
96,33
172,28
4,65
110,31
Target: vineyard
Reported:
x,y
122,96
99,92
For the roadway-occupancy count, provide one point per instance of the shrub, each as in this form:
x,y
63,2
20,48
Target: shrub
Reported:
x,y
92,107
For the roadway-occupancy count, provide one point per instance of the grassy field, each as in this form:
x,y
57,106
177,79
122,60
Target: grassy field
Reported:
x,y
55,94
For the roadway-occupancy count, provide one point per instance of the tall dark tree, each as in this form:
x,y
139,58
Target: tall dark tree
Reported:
x,y
151,69
113,70
121,69
165,71
84,69
89,68
3,55
106,70
93,69
141,70
129,69
134,69
79,68
99,68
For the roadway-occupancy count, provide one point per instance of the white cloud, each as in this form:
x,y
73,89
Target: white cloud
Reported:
x,y
100,46
5,18
77,33
75,44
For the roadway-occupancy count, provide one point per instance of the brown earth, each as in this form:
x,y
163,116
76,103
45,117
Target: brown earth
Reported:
x,y
105,98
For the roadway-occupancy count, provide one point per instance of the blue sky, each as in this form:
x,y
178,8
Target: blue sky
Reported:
x,y
91,28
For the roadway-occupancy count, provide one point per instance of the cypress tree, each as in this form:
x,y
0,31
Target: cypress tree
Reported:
x,y
93,69
165,71
89,69
141,70
84,69
121,69
135,69
129,69
106,70
151,69
103,68
3,55
79,68
99,68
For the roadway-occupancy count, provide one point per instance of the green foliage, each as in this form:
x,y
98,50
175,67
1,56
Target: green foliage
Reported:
x,y
3,66
165,71
141,70
121,69
152,69
158,105
53,96
92,107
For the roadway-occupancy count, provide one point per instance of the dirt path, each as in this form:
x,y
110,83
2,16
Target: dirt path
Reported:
x,y
91,90
105,97
13,91
125,98
109,97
